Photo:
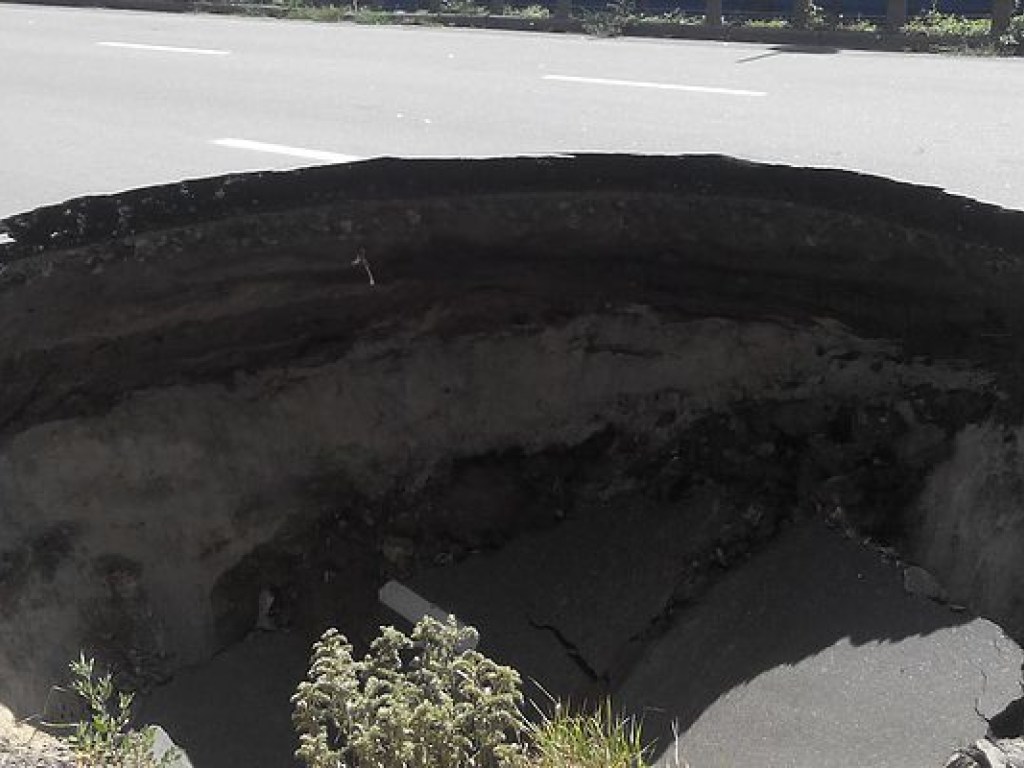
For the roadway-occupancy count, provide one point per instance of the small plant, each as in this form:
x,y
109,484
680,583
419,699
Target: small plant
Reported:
x,y
622,9
677,16
463,7
326,13
816,16
528,12
1013,38
598,739
933,23
612,21
370,16
105,738
418,701
766,23
857,25
808,15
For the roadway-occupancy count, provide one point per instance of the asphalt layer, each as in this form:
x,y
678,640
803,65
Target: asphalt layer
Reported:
x,y
81,116
809,654
813,655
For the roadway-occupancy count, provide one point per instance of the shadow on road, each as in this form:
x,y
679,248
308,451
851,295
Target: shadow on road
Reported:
x,y
778,50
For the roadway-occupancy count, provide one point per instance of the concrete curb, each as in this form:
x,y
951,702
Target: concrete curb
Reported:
x,y
837,39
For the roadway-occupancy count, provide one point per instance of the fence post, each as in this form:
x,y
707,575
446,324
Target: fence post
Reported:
x,y
563,9
896,15
713,13
1002,11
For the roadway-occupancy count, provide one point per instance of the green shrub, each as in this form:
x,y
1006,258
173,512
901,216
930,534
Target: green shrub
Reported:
x,y
463,7
816,17
328,13
104,738
766,23
419,701
936,24
528,12
427,701
675,17
370,16
857,25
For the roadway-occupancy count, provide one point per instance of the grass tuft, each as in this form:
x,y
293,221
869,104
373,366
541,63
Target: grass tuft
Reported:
x,y
596,739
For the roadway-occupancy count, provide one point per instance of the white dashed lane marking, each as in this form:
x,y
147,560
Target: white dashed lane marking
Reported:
x,y
656,86
282,149
165,48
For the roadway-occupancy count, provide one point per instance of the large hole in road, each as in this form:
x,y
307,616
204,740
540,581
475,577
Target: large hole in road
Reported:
x,y
661,427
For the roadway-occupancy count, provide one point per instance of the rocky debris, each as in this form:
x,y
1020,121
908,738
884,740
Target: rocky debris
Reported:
x,y
18,756
989,753
23,746
42,751
166,753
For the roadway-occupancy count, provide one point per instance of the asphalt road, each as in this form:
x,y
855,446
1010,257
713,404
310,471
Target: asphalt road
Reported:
x,y
84,110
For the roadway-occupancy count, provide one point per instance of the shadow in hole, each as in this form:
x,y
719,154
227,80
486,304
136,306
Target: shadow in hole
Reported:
x,y
810,602
1008,724
235,709
869,662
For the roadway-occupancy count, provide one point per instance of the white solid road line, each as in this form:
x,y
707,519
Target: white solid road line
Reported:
x,y
658,86
165,48
281,149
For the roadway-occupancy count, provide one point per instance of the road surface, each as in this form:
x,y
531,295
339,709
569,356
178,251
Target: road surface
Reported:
x,y
96,101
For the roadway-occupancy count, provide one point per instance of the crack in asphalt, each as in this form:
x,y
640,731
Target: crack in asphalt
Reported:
x,y
571,650
980,696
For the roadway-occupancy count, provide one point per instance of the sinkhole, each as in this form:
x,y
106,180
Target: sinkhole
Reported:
x,y
585,403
